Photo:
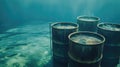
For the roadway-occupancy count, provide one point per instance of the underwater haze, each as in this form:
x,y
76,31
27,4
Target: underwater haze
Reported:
x,y
17,12
24,26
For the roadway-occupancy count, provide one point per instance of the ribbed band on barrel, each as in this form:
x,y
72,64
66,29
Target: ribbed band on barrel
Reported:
x,y
87,62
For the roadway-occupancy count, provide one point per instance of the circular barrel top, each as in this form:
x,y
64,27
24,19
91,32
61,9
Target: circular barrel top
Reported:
x,y
86,38
88,18
64,25
109,26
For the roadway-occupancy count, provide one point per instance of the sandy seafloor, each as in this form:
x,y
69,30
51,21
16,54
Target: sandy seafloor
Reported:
x,y
26,46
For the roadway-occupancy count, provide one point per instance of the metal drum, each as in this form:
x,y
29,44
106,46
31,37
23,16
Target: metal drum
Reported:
x,y
60,41
86,47
111,32
112,45
87,23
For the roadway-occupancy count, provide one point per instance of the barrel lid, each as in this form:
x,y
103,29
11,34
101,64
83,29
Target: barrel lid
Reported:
x,y
64,25
88,18
86,38
112,27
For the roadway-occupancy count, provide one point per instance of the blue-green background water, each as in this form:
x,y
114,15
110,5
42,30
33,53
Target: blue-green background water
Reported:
x,y
18,12
25,23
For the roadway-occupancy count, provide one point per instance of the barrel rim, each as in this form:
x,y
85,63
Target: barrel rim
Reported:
x,y
75,25
108,23
102,41
96,18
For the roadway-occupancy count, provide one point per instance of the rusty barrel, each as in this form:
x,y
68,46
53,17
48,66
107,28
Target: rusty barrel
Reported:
x,y
60,41
85,48
111,31
87,23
